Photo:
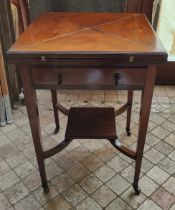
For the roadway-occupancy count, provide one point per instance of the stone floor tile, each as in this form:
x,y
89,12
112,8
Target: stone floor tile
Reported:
x,y
58,203
169,126
160,132
104,196
164,148
131,199
27,203
151,126
78,172
151,140
85,97
11,208
172,155
118,184
158,175
168,165
157,119
125,158
75,195
91,162
32,181
52,170
4,168
169,185
4,140
99,97
74,144
16,192
147,186
92,144
66,161
88,204
16,160
129,140
44,198
154,156
62,182
90,183
17,134
29,151
170,139
128,173
163,198
7,180
24,169
118,204
80,153
149,205
4,204
8,150
105,153
172,118
117,164
134,146
163,99
104,173
9,127
146,165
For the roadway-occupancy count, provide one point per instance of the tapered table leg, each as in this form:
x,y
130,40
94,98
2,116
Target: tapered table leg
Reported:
x,y
147,94
128,122
33,114
54,102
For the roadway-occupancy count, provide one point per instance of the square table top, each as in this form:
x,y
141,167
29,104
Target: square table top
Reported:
x,y
88,34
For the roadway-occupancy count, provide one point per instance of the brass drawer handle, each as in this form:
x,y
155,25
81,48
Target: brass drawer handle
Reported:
x,y
60,79
117,76
131,59
43,58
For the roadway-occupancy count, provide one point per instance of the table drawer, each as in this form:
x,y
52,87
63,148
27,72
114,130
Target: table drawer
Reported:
x,y
87,78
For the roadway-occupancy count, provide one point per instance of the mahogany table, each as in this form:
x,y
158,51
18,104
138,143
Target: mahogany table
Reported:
x,y
88,51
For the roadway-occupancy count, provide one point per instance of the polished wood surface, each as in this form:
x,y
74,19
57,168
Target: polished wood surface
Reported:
x,y
89,34
91,123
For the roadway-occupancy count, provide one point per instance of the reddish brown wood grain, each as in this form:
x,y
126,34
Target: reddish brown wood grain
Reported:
x,y
92,34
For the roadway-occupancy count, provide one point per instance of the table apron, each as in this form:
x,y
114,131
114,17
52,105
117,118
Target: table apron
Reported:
x,y
47,77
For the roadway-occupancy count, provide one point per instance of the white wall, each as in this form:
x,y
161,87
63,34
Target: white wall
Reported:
x,y
166,26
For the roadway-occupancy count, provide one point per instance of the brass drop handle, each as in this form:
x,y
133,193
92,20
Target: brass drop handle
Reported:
x,y
60,79
116,78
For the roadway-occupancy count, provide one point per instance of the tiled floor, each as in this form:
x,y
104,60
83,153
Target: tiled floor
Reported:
x,y
90,174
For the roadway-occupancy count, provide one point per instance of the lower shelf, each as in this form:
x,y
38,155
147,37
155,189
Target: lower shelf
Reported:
x,y
91,123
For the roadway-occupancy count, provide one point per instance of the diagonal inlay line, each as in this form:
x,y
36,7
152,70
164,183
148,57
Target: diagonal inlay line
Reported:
x,y
84,29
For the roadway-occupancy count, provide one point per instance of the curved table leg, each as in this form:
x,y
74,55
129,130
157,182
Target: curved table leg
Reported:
x,y
62,109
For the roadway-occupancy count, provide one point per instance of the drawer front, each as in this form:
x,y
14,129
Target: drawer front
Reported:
x,y
88,78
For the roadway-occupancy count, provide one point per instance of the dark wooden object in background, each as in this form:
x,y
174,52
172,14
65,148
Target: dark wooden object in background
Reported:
x,y
104,52
9,38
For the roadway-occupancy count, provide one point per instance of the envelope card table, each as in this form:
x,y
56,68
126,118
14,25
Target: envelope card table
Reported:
x,y
105,51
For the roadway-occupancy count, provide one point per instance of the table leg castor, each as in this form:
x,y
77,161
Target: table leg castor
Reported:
x,y
136,189
128,131
56,130
46,189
